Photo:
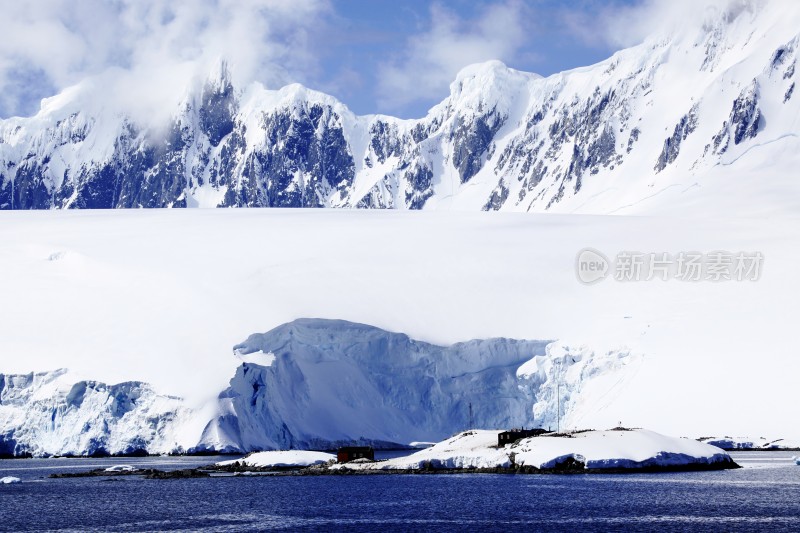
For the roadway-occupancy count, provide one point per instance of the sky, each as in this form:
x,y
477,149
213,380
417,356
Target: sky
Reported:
x,y
376,56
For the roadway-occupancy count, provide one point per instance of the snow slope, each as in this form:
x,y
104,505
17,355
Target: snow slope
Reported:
x,y
702,118
596,450
600,450
162,297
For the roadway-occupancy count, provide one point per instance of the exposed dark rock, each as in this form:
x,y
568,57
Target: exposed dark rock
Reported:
x,y
498,197
217,109
746,116
634,136
672,146
188,473
471,141
789,71
148,473
745,121
569,465
420,178
385,141
306,160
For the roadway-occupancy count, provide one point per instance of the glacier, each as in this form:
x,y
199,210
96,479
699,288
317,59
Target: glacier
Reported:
x,y
317,384
353,383
48,413
161,296
675,122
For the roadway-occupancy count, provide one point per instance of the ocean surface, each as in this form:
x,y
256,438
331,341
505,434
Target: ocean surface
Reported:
x,y
763,496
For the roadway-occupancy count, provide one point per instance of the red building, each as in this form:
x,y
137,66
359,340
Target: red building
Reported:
x,y
351,453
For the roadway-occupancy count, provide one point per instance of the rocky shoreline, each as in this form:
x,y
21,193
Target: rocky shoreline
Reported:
x,y
213,471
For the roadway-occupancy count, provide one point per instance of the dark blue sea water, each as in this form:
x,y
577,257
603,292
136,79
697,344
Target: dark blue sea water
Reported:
x,y
763,497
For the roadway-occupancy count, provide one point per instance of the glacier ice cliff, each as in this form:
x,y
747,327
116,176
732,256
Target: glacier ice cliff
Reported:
x,y
312,384
335,381
48,413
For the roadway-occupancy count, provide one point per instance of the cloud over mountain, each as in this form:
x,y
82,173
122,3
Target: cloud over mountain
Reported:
x,y
147,49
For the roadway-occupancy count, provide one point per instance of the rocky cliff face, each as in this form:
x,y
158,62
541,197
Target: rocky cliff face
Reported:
x,y
665,113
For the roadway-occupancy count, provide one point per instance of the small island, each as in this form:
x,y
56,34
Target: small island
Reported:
x,y
617,450
613,451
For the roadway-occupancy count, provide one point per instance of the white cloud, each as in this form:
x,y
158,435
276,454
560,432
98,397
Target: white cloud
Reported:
x,y
631,25
150,45
432,58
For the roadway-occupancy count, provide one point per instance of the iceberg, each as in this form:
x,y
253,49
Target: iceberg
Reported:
x,y
280,459
121,468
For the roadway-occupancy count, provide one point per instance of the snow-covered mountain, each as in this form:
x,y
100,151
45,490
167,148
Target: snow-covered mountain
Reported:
x,y
310,384
704,118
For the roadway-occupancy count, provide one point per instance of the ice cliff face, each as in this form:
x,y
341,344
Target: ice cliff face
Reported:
x,y
313,384
669,113
50,414
328,382
333,381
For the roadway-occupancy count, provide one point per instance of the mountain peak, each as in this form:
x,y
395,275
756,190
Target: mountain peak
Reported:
x,y
492,74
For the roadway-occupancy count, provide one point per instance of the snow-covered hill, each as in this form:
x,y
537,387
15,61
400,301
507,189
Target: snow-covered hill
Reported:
x,y
590,451
704,119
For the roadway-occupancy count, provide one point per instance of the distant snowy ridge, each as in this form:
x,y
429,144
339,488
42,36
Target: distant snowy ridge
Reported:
x,y
746,443
320,384
705,119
